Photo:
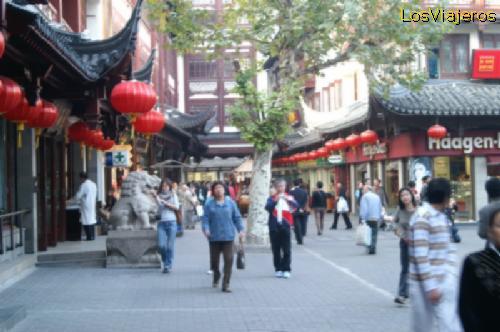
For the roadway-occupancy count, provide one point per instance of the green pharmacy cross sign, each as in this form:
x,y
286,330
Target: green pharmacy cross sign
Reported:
x,y
117,159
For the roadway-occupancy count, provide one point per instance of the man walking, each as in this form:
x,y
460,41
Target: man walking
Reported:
x,y
423,192
371,213
492,187
300,214
280,207
433,276
86,197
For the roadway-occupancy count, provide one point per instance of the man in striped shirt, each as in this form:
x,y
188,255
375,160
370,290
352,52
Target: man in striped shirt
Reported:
x,y
433,274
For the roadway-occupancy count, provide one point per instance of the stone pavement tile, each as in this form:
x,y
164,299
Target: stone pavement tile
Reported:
x,y
318,297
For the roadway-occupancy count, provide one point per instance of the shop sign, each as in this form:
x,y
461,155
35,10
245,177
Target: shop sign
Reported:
x,y
306,164
442,167
336,159
465,144
118,159
486,64
371,150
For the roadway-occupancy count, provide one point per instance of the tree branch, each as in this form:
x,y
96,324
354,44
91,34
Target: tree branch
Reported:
x,y
344,56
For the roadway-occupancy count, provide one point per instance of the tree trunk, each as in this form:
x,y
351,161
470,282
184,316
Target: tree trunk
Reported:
x,y
257,229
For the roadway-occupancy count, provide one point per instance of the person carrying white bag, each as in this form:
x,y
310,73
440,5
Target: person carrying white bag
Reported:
x,y
371,214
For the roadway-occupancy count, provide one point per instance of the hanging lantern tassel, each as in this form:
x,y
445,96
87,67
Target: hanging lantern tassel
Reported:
x,y
38,133
20,128
132,121
82,151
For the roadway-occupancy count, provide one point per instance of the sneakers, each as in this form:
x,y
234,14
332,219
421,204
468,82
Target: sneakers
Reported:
x,y
278,274
400,300
286,275
166,270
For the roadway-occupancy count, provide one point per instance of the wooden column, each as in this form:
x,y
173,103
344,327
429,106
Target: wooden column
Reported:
x,y
42,208
53,186
62,191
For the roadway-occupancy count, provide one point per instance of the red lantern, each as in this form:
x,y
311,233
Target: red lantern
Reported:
x,y
106,144
369,137
78,132
133,97
46,118
2,44
312,155
437,132
95,138
339,144
150,123
353,141
329,145
19,115
323,152
11,95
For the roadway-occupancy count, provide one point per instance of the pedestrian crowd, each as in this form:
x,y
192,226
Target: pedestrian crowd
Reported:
x,y
423,223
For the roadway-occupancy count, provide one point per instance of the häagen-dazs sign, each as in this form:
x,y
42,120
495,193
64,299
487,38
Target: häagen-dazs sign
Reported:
x,y
465,144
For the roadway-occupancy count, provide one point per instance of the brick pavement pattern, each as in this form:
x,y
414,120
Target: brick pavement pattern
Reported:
x,y
335,286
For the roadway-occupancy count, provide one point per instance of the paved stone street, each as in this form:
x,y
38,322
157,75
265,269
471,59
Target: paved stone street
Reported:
x,y
335,286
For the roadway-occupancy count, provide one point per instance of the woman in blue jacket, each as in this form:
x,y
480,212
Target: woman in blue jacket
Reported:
x,y
220,219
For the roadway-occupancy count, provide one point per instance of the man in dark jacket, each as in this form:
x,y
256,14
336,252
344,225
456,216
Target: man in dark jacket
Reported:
x,y
300,214
280,207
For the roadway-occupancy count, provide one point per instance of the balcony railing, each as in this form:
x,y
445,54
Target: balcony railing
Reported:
x,y
11,230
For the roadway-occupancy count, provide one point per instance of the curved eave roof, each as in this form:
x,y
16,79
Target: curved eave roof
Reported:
x,y
91,59
191,122
445,98
144,74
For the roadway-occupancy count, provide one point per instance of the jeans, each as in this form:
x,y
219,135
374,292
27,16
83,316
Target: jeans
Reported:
x,y
319,216
405,265
345,215
226,248
166,231
374,227
300,226
281,247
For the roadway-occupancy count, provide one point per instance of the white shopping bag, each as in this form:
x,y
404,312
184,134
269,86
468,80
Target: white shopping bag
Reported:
x,y
199,211
363,235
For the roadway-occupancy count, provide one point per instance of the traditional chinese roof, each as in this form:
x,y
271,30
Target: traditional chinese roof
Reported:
x,y
444,98
220,163
354,114
91,60
144,74
197,123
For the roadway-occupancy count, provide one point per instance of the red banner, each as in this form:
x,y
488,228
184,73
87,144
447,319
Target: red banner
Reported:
x,y
486,64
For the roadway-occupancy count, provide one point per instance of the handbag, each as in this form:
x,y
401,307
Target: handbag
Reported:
x,y
178,216
363,235
342,205
240,257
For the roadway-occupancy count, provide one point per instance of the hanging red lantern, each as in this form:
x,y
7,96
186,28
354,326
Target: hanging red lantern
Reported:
x,y
2,44
78,132
329,145
322,152
312,155
95,138
46,117
437,132
106,144
149,123
19,115
11,95
134,98
353,141
369,137
339,144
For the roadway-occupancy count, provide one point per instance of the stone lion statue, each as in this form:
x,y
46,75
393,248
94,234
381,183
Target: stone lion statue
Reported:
x,y
137,207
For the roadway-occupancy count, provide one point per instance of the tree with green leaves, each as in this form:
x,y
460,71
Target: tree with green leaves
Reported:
x,y
301,37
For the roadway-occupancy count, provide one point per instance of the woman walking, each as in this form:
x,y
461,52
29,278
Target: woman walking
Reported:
x,y
280,207
220,219
167,226
479,298
341,208
318,205
406,209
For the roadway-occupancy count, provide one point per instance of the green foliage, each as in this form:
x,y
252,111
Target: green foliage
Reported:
x,y
262,118
305,36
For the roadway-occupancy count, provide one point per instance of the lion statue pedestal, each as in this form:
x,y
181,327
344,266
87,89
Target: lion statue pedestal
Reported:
x,y
133,242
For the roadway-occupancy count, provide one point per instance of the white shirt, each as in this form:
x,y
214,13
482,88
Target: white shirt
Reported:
x,y
86,197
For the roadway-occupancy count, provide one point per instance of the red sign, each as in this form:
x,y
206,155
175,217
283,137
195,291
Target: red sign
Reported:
x,y
486,64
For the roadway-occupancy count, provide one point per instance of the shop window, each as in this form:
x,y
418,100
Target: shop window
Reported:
x,y
458,171
392,184
433,63
491,40
454,56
